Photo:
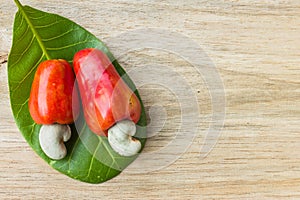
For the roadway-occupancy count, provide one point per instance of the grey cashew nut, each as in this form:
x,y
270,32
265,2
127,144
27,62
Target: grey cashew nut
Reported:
x,y
121,140
52,138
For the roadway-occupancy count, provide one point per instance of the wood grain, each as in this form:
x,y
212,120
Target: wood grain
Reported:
x,y
255,48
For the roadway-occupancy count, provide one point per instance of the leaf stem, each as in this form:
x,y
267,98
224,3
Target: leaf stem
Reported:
x,y
17,2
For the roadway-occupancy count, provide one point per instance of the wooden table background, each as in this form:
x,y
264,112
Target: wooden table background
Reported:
x,y
255,46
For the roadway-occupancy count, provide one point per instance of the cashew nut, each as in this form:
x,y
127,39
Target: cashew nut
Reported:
x,y
121,140
52,138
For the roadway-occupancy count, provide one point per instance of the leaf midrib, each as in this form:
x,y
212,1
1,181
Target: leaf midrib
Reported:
x,y
35,34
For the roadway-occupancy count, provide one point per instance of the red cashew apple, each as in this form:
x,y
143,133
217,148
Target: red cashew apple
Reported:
x,y
106,98
51,95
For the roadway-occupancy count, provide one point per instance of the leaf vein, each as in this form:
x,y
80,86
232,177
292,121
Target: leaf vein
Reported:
x,y
21,8
38,18
21,107
31,133
22,54
23,35
112,157
48,25
92,160
65,47
74,147
22,20
27,75
58,36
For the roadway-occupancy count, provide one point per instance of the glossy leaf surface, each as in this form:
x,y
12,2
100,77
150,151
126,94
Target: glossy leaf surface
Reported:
x,y
38,36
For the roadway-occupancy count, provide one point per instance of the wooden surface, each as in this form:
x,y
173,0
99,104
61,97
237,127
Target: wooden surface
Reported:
x,y
255,46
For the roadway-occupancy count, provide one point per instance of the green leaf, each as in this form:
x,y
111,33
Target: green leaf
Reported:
x,y
39,36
